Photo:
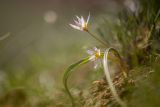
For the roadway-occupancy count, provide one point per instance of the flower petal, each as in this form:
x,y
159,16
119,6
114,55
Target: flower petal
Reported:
x,y
75,27
95,65
88,18
77,23
90,52
92,58
99,51
82,21
95,49
79,19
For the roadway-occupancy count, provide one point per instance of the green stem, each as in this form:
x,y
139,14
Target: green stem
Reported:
x,y
99,40
68,72
108,77
153,25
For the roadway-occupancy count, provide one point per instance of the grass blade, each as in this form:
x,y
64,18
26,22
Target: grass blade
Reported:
x,y
108,77
68,72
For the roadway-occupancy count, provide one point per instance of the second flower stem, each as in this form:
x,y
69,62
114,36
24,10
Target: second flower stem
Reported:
x,y
99,40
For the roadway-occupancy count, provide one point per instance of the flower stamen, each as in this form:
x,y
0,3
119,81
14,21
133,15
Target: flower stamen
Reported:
x,y
95,56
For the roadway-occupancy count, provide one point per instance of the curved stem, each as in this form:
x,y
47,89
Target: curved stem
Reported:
x,y
108,77
69,94
99,40
66,75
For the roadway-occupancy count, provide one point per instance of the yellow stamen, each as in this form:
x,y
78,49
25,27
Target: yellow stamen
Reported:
x,y
85,28
97,55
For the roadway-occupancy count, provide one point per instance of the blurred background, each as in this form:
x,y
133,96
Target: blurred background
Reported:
x,y
35,34
37,44
41,29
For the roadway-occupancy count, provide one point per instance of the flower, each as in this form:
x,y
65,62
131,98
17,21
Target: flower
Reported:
x,y
80,23
95,56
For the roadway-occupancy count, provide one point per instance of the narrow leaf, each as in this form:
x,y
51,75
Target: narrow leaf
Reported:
x,y
108,77
68,72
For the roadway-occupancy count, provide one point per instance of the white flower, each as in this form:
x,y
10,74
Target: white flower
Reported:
x,y
95,56
80,23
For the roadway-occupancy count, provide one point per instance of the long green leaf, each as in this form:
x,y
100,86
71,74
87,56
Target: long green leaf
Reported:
x,y
68,72
108,77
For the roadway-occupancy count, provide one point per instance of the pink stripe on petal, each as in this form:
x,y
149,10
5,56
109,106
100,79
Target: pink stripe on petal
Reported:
x,y
95,48
90,52
77,23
